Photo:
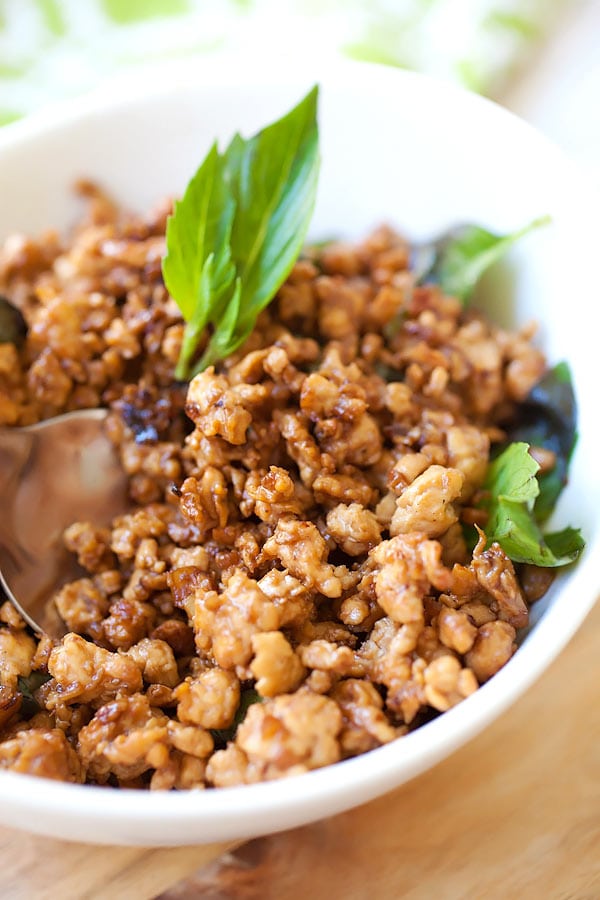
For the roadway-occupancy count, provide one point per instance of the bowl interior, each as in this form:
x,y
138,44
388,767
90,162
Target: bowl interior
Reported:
x,y
396,148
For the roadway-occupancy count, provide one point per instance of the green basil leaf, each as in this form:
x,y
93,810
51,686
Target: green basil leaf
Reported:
x,y
199,230
27,687
225,328
273,178
511,489
238,230
13,327
548,418
512,475
567,543
200,226
457,260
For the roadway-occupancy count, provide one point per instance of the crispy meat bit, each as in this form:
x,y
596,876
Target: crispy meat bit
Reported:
x,y
17,649
10,616
128,622
155,661
345,488
535,581
328,656
468,451
85,673
354,528
130,530
303,551
341,307
273,494
209,699
225,623
426,504
493,647
456,630
276,667
495,573
365,725
46,753
204,500
82,607
287,735
125,738
218,409
91,544
10,704
446,683
302,447
410,566
294,602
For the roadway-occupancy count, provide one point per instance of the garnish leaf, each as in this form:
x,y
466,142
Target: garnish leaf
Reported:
x,y
225,329
548,418
13,327
238,230
273,178
27,687
511,488
197,267
457,260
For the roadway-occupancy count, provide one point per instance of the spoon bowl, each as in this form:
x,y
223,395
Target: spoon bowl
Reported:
x,y
52,474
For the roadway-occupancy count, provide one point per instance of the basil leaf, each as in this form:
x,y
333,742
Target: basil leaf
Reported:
x,y
27,687
238,230
223,335
13,327
548,418
511,489
273,177
197,268
458,258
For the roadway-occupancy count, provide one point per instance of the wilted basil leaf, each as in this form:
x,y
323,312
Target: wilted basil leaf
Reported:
x,y
13,327
548,418
27,687
511,489
457,259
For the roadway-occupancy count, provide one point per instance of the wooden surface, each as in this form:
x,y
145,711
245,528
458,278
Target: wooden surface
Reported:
x,y
515,813
34,868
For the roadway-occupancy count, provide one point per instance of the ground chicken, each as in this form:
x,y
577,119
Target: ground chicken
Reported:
x,y
365,724
82,672
293,583
209,699
47,753
303,551
287,735
17,649
276,667
125,738
426,504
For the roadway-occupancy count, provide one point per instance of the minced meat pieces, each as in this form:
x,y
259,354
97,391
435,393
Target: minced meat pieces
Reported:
x,y
296,533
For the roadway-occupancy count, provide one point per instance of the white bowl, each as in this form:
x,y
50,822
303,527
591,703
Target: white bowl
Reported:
x,y
396,147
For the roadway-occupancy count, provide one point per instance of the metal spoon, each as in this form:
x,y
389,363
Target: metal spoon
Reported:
x,y
52,474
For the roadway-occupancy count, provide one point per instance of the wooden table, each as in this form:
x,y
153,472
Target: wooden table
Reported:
x,y
515,813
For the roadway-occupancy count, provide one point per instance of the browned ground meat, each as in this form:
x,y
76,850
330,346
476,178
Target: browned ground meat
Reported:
x,y
295,539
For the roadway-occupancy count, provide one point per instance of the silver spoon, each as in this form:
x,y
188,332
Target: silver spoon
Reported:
x,y
52,474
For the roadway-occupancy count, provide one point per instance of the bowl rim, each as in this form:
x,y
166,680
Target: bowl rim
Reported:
x,y
233,811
